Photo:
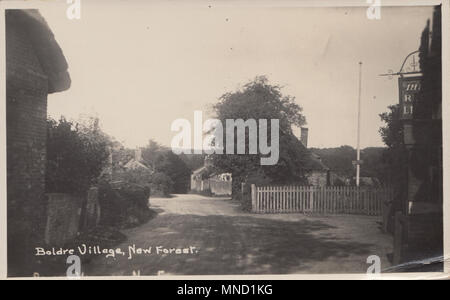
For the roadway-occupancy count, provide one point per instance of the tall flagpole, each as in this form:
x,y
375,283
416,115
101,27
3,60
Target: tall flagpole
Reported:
x,y
358,149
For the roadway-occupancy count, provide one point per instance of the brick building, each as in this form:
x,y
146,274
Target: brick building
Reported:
x,y
35,67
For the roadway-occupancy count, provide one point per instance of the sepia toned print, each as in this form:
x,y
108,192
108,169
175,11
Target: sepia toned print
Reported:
x,y
201,139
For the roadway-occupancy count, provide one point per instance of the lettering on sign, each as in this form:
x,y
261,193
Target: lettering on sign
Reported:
x,y
409,89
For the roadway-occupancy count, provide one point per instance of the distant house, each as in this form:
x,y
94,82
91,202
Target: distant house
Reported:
x,y
316,172
136,162
205,179
35,67
122,159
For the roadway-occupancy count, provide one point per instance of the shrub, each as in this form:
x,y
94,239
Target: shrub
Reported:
x,y
76,156
161,184
136,195
139,176
124,204
163,160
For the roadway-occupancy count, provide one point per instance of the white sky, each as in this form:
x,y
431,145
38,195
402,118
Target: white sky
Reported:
x,y
140,66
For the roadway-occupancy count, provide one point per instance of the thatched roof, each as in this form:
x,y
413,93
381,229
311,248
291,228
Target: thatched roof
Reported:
x,y
312,161
134,164
48,52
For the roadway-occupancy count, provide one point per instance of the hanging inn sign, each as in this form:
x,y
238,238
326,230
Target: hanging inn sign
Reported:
x,y
409,85
409,88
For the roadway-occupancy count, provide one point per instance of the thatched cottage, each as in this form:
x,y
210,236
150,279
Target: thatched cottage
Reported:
x,y
35,67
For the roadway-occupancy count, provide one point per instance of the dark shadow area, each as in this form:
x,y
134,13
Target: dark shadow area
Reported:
x,y
230,245
103,237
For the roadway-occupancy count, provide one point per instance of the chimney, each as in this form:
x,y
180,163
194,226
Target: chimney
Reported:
x,y
138,154
304,136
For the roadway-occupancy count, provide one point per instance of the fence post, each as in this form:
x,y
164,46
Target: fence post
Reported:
x,y
253,197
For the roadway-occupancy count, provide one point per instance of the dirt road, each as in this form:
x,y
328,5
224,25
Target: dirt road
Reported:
x,y
197,235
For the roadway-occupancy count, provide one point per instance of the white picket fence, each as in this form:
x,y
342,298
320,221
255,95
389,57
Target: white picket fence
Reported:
x,y
320,200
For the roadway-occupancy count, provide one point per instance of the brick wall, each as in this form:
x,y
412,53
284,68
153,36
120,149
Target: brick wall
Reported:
x,y
26,110
63,219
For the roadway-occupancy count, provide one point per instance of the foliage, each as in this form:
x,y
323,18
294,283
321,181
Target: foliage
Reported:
x,y
175,168
161,184
375,164
339,160
392,133
76,155
429,133
139,176
124,205
164,162
193,161
167,172
151,152
430,54
426,162
395,155
260,100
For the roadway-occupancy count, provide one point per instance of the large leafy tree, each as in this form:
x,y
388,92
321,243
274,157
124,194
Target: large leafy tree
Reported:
x,y
260,100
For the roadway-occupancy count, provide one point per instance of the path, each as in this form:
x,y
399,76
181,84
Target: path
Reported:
x,y
221,239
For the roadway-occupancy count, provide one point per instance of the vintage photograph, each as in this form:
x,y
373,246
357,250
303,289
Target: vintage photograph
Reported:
x,y
165,138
